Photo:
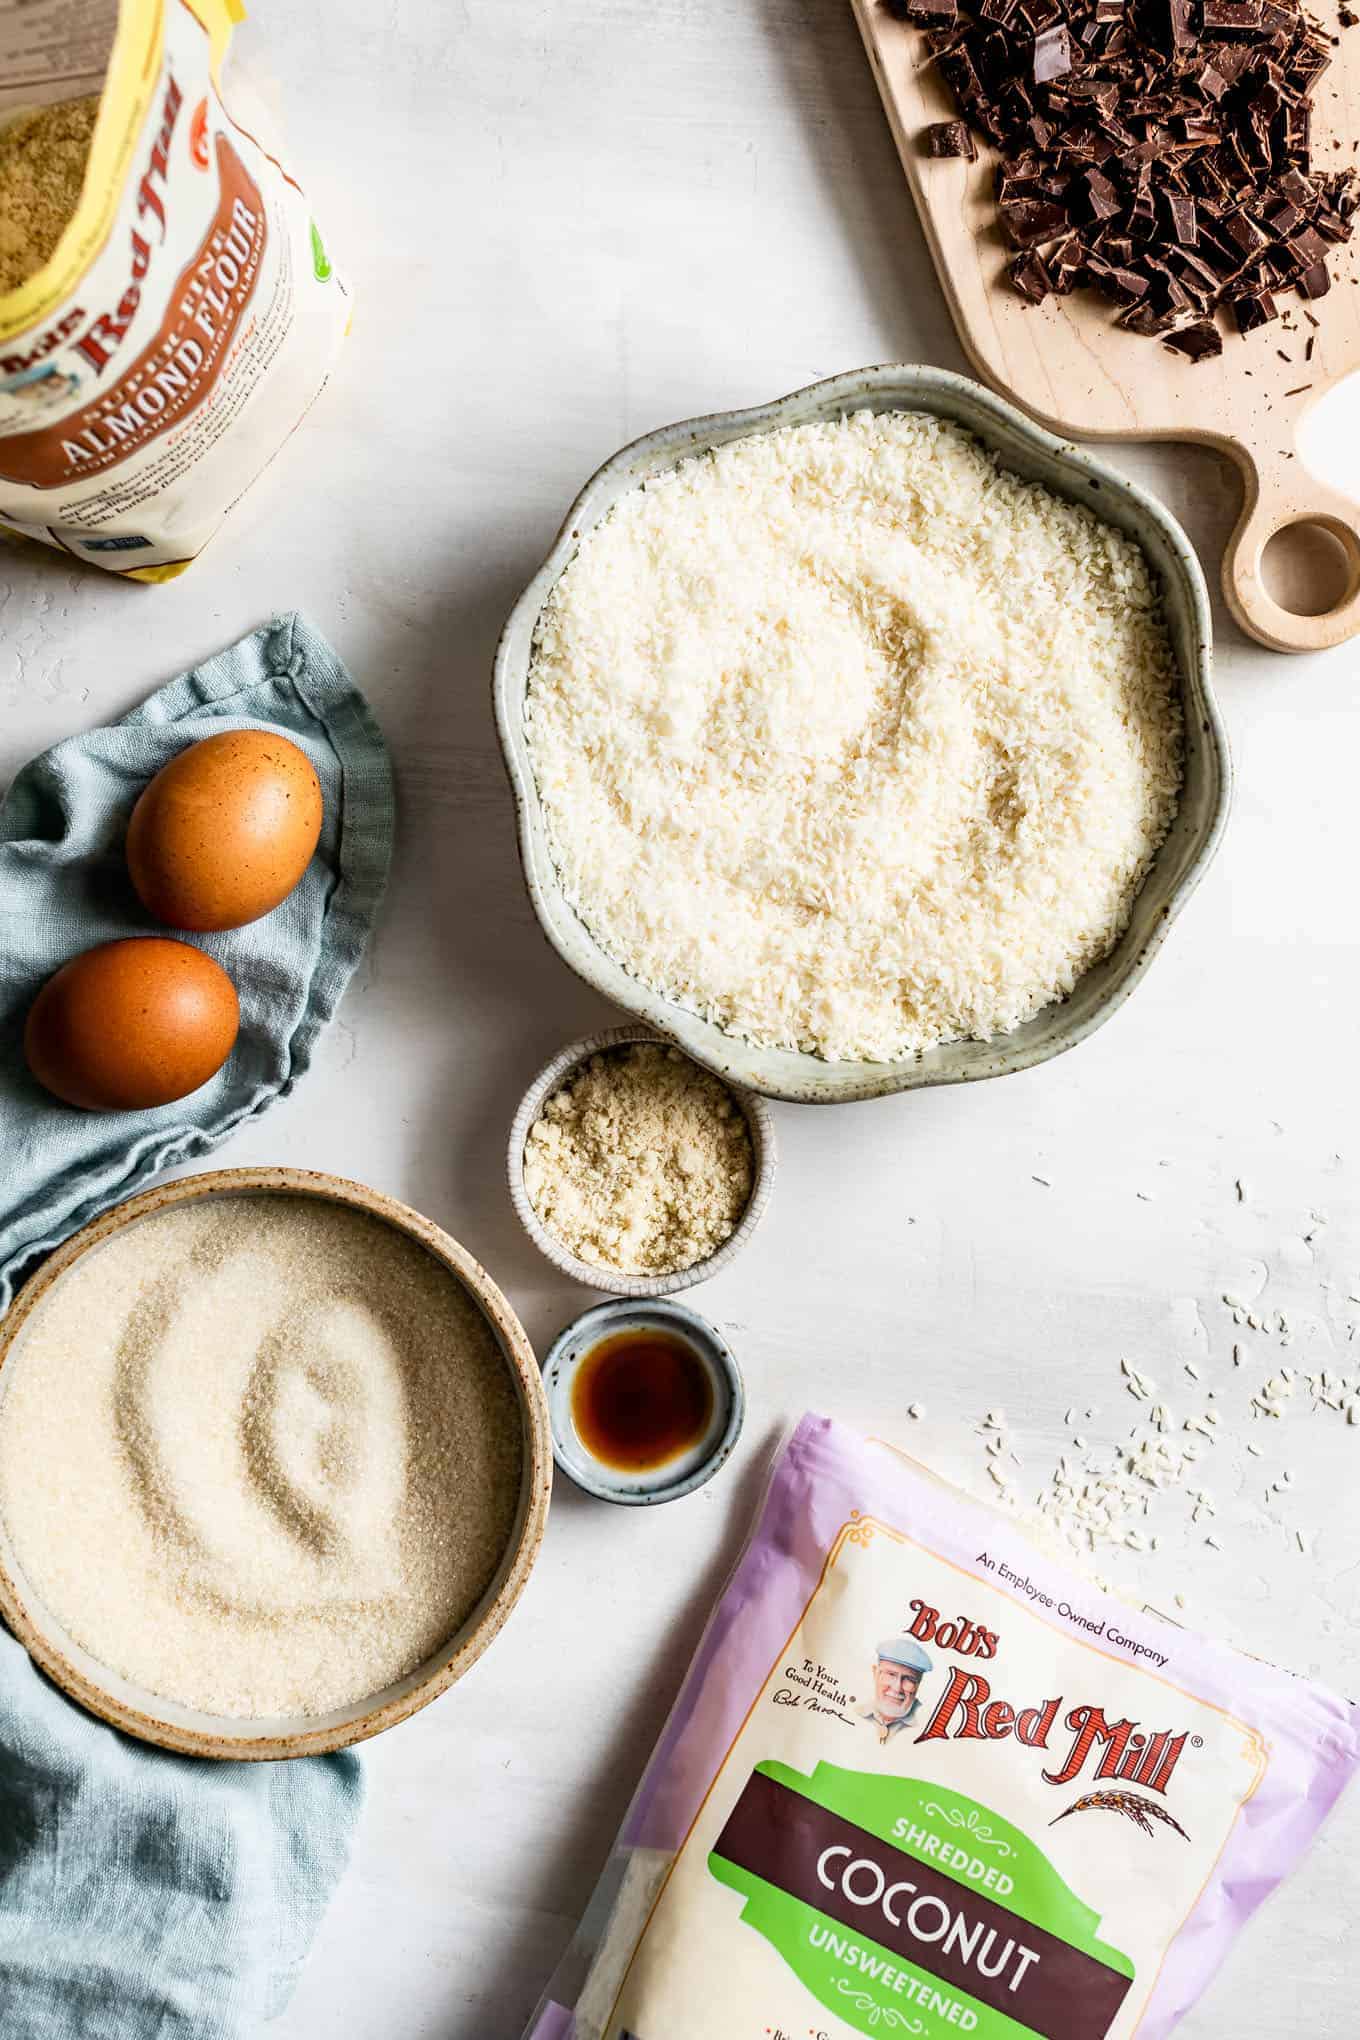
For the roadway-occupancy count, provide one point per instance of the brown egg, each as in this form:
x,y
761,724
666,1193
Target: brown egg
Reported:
x,y
132,1024
224,832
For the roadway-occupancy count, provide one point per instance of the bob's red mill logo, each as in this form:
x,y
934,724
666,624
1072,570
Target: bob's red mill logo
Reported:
x,y
968,1711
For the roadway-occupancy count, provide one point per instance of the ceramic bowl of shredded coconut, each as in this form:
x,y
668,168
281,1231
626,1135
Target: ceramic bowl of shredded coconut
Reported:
x,y
864,740
274,1464
634,1169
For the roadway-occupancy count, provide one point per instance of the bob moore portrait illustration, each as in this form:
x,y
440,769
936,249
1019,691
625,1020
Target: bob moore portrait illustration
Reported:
x,y
900,1664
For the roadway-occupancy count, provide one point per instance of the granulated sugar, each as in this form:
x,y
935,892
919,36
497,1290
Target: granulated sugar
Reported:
x,y
260,1455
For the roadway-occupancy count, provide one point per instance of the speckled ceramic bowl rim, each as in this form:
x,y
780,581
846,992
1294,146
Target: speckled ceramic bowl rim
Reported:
x,y
606,1485
369,1718
1039,455
555,1072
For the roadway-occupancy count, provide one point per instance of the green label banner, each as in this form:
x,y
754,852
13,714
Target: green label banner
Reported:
x,y
905,1908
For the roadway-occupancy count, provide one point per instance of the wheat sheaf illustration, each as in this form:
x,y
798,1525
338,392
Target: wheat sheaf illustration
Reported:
x,y
1132,1804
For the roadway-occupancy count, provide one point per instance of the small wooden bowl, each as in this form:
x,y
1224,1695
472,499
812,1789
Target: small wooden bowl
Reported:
x,y
188,1730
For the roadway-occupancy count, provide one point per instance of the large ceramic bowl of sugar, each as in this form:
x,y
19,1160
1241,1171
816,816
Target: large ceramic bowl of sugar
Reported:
x,y
151,1716
1035,455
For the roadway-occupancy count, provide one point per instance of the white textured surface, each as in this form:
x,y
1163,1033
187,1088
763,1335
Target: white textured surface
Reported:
x,y
567,223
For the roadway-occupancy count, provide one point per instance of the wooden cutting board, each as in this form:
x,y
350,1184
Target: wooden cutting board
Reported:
x,y
1078,373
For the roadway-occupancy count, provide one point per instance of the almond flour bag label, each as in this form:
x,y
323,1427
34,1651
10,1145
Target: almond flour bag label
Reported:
x,y
923,1782
159,354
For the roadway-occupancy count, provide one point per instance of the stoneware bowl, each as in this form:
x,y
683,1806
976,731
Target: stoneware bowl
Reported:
x,y
156,1720
1036,455
759,1123
677,1477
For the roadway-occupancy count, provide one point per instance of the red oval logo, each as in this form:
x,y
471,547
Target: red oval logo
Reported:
x,y
198,136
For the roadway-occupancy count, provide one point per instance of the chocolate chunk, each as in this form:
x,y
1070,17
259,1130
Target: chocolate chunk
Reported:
x,y
1103,201
1315,282
1029,275
1194,271
1066,263
1181,23
1297,137
1184,218
1052,55
957,69
1307,248
924,13
1306,65
1125,286
1231,17
951,138
1027,220
1199,342
1256,308
1245,233
1283,217
1148,319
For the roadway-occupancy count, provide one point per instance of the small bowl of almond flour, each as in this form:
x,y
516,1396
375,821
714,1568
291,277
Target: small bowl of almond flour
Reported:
x,y
274,1464
636,1171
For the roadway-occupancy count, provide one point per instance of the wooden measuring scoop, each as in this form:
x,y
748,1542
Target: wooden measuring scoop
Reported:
x,y
1074,369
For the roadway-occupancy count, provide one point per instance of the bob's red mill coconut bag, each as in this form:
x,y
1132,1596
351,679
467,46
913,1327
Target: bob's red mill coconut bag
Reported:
x,y
168,310
922,1781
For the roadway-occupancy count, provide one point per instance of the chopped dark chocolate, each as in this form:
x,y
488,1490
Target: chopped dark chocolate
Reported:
x,y
951,138
1180,15
1231,17
1025,221
1245,232
1102,200
1184,218
1030,276
1283,217
1307,248
1125,286
1256,308
1156,151
1052,55
1199,342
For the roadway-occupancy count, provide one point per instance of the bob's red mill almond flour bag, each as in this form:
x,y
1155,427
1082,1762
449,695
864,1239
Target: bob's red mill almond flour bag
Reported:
x,y
921,1781
168,310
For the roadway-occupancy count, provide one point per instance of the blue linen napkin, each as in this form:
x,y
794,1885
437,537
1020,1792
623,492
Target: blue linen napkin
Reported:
x,y
145,1896
64,886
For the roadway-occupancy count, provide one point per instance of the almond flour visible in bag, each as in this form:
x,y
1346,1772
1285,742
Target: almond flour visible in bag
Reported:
x,y
1057,1830
161,352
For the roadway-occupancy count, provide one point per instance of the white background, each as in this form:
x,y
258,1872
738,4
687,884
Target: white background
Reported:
x,y
567,223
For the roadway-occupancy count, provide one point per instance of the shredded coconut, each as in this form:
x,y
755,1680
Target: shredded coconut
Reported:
x,y
641,1163
852,741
